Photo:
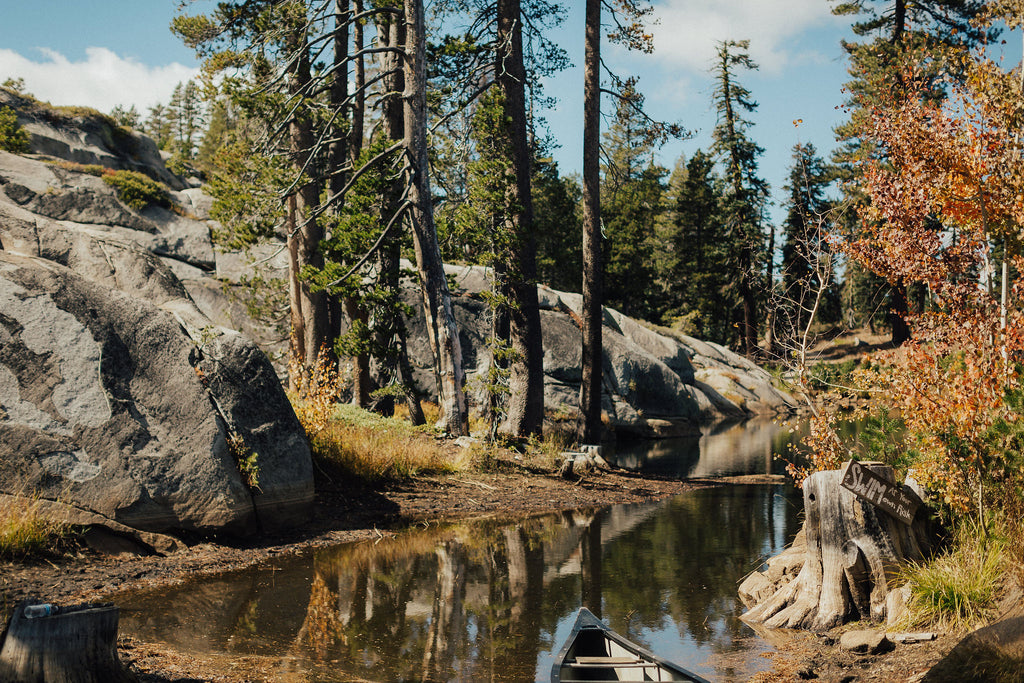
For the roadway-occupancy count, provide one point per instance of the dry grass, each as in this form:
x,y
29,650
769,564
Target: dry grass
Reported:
x,y
24,528
375,448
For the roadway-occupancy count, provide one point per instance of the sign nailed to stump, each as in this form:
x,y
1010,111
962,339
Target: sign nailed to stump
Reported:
x,y
882,494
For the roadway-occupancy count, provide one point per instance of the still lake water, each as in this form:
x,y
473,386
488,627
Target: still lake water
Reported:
x,y
492,600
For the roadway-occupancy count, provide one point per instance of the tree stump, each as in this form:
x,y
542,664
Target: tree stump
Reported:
x,y
76,645
852,551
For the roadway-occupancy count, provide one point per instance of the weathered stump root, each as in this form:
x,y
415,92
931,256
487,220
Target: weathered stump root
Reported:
x,y
852,552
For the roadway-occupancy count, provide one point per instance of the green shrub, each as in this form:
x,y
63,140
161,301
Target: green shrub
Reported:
x,y
13,138
137,190
834,376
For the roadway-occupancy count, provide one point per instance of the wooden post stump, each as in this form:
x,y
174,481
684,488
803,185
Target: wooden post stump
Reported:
x,y
76,645
853,548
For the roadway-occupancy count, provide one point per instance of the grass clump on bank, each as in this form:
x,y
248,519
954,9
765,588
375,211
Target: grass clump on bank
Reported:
x,y
25,530
135,189
375,448
364,445
957,591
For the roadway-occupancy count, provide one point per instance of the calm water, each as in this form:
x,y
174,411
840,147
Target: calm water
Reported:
x,y
732,449
492,601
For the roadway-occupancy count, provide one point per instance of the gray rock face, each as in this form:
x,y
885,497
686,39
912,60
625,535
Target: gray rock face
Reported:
x,y
85,137
110,407
84,201
655,384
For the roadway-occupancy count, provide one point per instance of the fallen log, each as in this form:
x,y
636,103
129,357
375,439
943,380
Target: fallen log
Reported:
x,y
75,644
853,550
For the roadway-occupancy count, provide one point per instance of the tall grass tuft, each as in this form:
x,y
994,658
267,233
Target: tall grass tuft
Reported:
x,y
24,528
375,448
957,591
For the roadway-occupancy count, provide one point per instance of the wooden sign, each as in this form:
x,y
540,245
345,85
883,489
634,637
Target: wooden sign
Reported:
x,y
882,494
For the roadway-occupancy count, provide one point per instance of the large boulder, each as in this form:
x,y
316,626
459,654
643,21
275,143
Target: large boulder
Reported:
x,y
121,402
128,410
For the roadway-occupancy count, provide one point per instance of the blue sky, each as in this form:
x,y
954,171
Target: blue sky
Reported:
x,y
101,54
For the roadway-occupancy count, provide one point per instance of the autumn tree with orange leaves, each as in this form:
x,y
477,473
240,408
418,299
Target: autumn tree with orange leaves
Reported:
x,y
945,192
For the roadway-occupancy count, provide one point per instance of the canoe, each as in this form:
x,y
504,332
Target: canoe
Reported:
x,y
594,652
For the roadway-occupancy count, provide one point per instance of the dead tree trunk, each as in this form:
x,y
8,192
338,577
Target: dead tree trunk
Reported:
x,y
76,645
852,551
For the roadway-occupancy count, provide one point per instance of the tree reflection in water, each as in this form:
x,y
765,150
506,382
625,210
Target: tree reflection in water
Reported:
x,y
487,601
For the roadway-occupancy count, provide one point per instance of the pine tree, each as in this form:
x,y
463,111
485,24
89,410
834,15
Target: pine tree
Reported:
x,y
900,34
556,202
158,126
701,299
747,192
628,18
187,117
632,195
216,133
128,118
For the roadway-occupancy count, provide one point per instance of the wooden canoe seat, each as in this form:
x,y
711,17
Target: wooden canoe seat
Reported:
x,y
607,661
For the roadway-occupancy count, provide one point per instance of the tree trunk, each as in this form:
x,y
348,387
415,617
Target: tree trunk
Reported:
x,y
442,328
773,304
412,399
355,136
494,401
76,645
361,363
342,152
748,298
391,33
525,408
309,309
898,314
853,551
593,267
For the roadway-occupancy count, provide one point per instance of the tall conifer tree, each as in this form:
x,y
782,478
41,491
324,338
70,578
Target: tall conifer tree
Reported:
x,y
747,192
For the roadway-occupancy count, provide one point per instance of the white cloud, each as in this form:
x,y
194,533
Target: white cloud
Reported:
x,y
688,30
103,80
